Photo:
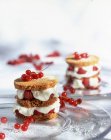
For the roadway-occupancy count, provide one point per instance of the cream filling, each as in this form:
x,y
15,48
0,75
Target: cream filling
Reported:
x,y
92,82
89,72
43,95
30,111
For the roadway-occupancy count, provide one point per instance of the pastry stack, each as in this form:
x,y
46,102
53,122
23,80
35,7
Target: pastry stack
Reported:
x,y
36,97
83,71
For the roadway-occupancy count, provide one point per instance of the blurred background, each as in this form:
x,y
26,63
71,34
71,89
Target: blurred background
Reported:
x,y
43,26
67,25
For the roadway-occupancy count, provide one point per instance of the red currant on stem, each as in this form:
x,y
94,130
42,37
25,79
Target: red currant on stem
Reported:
x,y
79,101
35,76
72,90
41,74
84,55
26,122
23,77
17,126
71,101
31,119
4,120
75,103
2,136
64,94
36,112
28,78
66,99
28,72
65,87
24,127
62,104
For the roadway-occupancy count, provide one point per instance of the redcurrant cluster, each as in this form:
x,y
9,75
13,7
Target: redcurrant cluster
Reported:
x,y
28,76
65,99
71,89
78,56
25,125
24,58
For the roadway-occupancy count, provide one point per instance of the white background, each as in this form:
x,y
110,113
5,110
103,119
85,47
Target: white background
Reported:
x,y
75,24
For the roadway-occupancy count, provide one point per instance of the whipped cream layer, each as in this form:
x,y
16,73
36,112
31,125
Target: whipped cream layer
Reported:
x,y
30,111
43,95
88,69
93,82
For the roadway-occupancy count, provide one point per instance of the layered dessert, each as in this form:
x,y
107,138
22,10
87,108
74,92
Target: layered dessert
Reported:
x,y
37,96
83,71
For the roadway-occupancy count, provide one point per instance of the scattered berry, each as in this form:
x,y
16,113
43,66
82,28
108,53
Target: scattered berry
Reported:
x,y
17,126
24,127
77,56
34,75
64,94
65,87
72,90
4,120
64,99
40,74
26,122
71,101
28,72
62,104
75,103
79,101
31,119
2,136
